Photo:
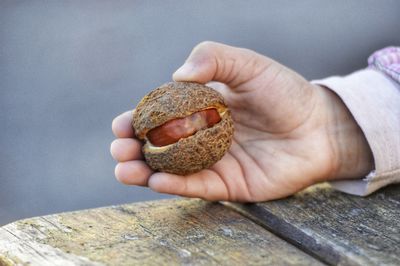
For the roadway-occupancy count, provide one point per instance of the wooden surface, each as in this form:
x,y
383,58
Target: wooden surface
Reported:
x,y
337,228
317,226
172,232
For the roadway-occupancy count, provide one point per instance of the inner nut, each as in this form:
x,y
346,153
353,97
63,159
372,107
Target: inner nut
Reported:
x,y
176,129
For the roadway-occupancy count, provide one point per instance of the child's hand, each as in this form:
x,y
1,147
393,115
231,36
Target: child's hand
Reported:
x,y
289,134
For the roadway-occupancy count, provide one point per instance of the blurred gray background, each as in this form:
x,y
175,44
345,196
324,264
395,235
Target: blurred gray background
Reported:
x,y
67,68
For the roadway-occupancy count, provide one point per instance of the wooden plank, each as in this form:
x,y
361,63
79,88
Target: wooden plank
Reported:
x,y
336,227
173,232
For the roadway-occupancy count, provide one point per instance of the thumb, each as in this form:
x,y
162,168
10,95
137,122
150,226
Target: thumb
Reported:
x,y
211,61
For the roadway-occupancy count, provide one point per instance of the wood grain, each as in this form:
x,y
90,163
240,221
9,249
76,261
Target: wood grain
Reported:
x,y
173,232
337,228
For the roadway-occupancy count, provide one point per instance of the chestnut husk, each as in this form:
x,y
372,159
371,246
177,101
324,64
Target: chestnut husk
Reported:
x,y
177,100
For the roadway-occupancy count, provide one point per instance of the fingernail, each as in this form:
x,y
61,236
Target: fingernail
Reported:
x,y
183,72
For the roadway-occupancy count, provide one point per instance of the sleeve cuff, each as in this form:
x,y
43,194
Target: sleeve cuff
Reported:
x,y
374,101
366,186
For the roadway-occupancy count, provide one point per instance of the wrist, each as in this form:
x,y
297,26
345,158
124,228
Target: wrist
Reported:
x,y
351,153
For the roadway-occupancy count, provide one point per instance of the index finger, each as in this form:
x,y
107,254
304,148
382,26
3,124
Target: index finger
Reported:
x,y
122,125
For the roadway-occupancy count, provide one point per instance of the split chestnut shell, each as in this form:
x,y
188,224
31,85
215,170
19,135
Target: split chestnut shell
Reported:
x,y
176,101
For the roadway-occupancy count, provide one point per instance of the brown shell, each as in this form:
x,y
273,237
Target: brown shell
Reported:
x,y
191,154
172,100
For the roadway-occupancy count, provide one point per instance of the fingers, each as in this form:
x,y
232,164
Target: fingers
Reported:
x,y
205,184
126,149
219,62
131,170
133,173
122,125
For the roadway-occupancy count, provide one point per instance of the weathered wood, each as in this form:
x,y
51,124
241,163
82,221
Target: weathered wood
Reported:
x,y
337,228
163,232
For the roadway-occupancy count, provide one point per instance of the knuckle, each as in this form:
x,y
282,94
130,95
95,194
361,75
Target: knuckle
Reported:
x,y
113,147
206,45
117,172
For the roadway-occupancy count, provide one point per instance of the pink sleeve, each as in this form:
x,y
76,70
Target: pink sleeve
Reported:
x,y
373,98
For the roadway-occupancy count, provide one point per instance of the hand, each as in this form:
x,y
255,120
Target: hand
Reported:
x,y
289,134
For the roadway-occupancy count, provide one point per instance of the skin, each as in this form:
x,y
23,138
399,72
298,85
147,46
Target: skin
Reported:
x,y
289,133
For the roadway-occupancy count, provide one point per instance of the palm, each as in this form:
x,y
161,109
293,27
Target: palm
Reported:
x,y
270,157
256,170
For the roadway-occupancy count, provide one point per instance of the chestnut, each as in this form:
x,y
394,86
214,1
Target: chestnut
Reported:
x,y
186,127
